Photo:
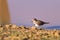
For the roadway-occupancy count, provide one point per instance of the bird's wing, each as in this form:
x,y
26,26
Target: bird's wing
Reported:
x,y
38,22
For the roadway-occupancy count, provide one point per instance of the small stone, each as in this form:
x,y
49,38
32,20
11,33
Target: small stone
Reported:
x,y
25,39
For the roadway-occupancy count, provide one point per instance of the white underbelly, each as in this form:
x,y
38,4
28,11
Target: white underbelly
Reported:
x,y
35,24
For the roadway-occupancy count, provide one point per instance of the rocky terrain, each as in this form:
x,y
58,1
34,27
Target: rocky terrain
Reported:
x,y
14,32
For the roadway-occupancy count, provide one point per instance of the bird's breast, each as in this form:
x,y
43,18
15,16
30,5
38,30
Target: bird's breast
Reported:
x,y
34,22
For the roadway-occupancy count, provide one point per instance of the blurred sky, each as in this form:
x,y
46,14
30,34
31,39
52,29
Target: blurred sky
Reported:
x,y
22,11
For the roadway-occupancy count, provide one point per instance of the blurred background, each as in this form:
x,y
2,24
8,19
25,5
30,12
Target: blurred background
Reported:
x,y
22,11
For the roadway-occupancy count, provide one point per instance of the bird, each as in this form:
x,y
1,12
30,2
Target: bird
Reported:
x,y
38,23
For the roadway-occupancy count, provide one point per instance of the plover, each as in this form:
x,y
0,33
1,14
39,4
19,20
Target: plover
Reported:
x,y
38,23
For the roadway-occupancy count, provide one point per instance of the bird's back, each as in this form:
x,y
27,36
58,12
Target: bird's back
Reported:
x,y
39,22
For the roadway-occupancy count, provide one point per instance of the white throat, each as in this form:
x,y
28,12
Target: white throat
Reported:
x,y
34,22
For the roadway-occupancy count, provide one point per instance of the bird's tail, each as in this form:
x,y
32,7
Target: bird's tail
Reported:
x,y
46,22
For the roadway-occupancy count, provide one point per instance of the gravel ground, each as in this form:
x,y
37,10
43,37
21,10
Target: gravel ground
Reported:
x,y
14,32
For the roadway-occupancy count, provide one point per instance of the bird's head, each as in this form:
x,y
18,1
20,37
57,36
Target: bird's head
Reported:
x,y
34,19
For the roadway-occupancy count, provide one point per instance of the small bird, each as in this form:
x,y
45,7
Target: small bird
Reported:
x,y
38,23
